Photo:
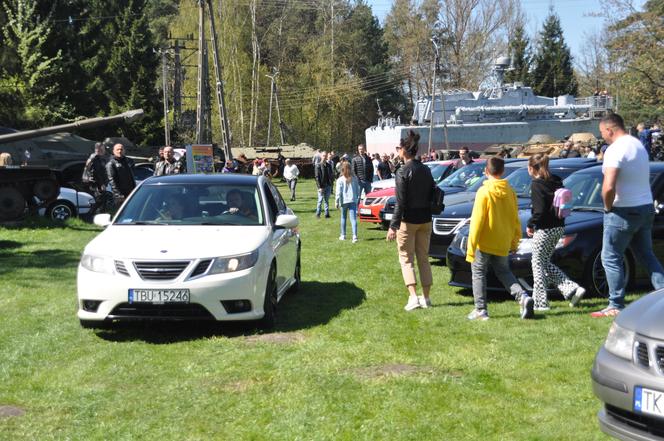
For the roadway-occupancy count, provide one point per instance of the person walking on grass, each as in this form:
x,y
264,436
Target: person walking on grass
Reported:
x,y
324,177
547,228
290,174
628,211
495,231
347,196
411,222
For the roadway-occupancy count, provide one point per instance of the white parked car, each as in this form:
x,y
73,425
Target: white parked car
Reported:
x,y
70,203
192,247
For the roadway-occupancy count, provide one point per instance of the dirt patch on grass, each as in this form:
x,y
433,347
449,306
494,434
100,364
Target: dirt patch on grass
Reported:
x,y
391,370
277,338
11,411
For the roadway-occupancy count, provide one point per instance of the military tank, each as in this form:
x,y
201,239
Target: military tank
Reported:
x,y
37,172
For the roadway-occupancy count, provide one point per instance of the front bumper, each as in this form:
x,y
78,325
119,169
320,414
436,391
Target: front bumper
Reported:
x,y
613,381
206,294
374,214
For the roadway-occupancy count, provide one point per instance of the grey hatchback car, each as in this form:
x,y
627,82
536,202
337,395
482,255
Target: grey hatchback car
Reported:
x,y
628,373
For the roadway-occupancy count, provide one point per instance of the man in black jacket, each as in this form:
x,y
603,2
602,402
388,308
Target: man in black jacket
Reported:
x,y
169,165
94,173
363,168
324,175
120,175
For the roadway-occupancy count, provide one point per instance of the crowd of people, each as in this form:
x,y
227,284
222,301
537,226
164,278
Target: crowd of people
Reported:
x,y
495,228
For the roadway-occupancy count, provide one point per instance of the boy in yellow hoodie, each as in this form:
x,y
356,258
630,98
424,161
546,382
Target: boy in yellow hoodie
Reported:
x,y
495,231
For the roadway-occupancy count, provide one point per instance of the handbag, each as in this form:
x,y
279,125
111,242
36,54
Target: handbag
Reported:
x,y
437,198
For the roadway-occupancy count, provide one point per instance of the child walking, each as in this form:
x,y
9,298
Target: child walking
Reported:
x,y
495,231
347,195
546,229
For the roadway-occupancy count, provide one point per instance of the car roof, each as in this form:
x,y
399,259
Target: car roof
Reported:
x,y
214,178
657,167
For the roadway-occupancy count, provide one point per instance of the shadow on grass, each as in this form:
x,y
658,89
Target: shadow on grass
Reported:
x,y
315,304
37,222
9,245
12,261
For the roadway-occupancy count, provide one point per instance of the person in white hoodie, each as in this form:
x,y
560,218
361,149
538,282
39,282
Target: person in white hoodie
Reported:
x,y
347,196
291,172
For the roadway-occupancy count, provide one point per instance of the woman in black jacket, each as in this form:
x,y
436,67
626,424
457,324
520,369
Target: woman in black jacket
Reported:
x,y
546,229
411,222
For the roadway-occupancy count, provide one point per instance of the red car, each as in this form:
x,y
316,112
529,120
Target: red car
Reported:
x,y
373,204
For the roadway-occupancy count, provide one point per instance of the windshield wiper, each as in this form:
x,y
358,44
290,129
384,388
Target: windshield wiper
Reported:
x,y
597,209
140,223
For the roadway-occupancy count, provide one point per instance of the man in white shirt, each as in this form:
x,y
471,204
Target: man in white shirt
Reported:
x,y
629,211
291,172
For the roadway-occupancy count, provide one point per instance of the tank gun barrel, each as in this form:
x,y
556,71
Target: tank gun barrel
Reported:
x,y
127,117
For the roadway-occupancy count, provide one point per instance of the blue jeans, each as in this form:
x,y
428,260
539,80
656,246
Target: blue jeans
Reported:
x,y
366,186
351,210
323,199
624,226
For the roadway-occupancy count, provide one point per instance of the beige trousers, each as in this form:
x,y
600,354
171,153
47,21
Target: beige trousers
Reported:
x,y
413,241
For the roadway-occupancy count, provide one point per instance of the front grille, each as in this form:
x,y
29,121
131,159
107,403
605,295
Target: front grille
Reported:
x,y
642,354
445,226
121,268
201,268
659,358
160,270
170,311
644,423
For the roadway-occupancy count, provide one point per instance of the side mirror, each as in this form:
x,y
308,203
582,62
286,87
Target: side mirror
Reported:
x,y
287,221
103,219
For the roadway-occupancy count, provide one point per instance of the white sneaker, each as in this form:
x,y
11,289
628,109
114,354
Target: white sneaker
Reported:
x,y
354,239
342,237
576,298
413,303
424,302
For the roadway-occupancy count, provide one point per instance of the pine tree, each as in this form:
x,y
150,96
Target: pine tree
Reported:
x,y
519,50
553,74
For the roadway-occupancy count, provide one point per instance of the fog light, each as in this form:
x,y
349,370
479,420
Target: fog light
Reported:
x,y
91,305
236,306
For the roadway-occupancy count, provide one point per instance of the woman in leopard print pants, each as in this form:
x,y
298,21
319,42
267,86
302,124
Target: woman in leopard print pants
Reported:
x,y
546,229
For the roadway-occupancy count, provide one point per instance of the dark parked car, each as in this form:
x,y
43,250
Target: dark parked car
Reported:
x,y
456,215
578,253
628,373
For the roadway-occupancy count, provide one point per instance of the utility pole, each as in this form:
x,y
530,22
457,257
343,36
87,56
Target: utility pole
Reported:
x,y
281,127
332,45
202,73
177,84
164,86
221,104
436,68
269,120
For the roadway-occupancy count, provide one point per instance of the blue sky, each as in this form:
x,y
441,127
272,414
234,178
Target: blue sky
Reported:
x,y
575,17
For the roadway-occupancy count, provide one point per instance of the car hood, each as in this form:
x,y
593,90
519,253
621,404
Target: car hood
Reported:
x,y
381,193
176,242
645,316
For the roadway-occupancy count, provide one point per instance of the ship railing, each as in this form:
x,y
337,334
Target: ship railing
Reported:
x,y
596,103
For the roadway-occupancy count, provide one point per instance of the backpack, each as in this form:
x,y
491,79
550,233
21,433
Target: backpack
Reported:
x,y
87,177
437,197
562,202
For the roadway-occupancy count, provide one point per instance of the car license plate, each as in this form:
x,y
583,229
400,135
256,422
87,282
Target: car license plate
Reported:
x,y
365,210
649,401
387,216
158,296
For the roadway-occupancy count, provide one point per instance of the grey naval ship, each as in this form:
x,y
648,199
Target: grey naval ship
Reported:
x,y
500,114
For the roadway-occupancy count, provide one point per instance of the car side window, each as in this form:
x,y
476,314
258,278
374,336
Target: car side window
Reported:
x,y
278,199
272,207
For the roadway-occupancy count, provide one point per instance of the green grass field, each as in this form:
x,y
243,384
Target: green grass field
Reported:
x,y
346,362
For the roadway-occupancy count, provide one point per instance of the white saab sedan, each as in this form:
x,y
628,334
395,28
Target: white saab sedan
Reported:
x,y
192,247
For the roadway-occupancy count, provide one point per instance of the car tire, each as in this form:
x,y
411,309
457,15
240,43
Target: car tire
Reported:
x,y
61,210
297,275
594,277
270,301
94,324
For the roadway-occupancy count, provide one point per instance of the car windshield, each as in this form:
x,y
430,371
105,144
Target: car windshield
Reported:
x,y
586,190
193,204
438,170
465,176
520,182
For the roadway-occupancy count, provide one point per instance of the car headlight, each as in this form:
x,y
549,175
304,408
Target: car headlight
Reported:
x,y
97,264
460,242
619,342
379,201
230,264
526,244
